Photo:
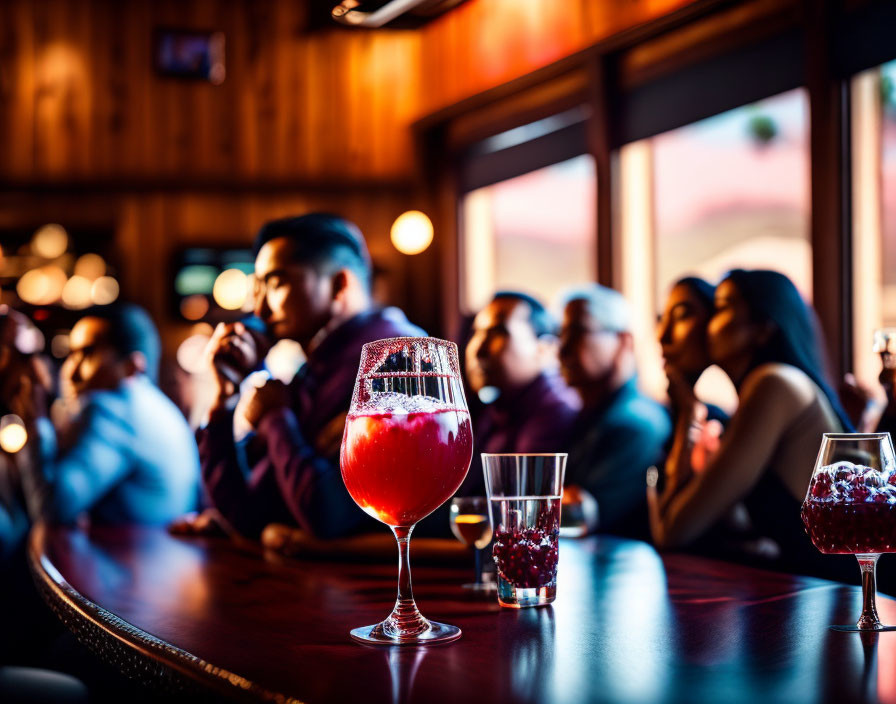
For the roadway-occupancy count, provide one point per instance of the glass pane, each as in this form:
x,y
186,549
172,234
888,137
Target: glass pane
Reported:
x,y
887,84
535,233
873,119
732,191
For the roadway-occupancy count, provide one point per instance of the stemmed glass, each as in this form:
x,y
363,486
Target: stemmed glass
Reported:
x,y
850,508
406,449
470,525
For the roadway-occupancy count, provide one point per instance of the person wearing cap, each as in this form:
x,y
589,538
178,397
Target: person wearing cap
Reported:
x,y
620,432
313,278
129,456
511,351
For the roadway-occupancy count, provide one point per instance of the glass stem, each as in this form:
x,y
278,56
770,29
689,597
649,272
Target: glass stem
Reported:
x,y
478,564
405,619
869,619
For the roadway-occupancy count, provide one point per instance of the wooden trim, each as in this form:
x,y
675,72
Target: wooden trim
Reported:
x,y
557,95
139,655
830,193
601,126
699,41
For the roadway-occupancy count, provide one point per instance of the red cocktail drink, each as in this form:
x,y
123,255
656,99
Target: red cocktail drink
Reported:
x,y
399,467
406,449
851,509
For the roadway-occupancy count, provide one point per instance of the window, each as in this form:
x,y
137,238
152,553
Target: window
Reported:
x,y
729,191
874,212
535,232
733,191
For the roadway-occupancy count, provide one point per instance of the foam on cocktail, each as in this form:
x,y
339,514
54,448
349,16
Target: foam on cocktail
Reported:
x,y
398,404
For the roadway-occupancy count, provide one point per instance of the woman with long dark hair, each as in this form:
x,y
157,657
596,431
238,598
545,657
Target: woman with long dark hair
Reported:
x,y
764,337
681,332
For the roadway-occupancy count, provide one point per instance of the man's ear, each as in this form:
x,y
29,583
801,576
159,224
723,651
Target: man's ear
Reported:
x,y
135,363
340,282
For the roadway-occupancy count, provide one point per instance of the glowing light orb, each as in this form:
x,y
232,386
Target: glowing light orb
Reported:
x,y
104,291
412,232
90,266
50,241
231,289
41,286
13,435
76,293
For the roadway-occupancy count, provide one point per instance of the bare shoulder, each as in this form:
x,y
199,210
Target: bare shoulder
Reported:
x,y
784,382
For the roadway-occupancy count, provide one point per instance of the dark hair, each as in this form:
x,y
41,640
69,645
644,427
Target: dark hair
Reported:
x,y
701,288
772,297
131,330
324,241
541,320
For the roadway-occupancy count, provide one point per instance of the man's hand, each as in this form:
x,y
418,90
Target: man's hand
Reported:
x,y
233,352
273,394
207,522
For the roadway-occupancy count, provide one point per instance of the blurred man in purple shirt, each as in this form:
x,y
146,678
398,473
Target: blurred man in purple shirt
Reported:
x,y
510,351
313,276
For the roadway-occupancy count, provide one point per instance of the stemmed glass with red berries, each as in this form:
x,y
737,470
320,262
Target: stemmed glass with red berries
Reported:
x,y
850,508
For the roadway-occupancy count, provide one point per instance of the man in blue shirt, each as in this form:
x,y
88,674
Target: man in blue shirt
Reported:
x,y
129,456
620,432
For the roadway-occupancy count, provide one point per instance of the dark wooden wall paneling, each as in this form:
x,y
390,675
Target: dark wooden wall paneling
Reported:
x,y
79,98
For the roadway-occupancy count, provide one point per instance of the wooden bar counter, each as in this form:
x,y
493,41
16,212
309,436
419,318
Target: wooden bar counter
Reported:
x,y
211,619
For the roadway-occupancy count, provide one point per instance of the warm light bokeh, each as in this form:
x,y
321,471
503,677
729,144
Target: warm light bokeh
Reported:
x,y
231,289
42,286
104,290
76,293
412,232
50,241
13,435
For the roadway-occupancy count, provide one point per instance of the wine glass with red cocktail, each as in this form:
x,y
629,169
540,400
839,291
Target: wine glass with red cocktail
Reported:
x,y
405,451
850,508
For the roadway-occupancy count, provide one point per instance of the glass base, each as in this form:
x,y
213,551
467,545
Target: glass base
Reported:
x,y
436,633
855,629
523,597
